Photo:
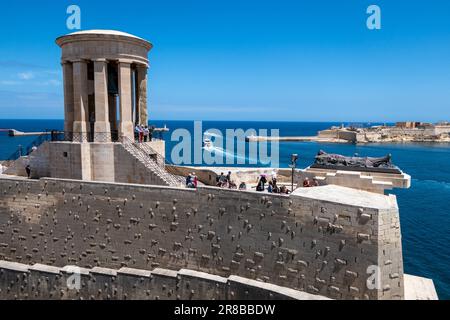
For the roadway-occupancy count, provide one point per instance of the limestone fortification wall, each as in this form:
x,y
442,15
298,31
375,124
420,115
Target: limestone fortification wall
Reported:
x,y
323,247
21,281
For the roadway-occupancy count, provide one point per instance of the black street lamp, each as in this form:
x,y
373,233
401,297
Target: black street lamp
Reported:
x,y
293,165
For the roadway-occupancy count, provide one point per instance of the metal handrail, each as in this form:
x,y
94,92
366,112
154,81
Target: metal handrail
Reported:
x,y
138,150
112,136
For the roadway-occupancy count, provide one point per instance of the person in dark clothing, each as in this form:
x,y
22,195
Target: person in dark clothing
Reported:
x,y
275,188
28,171
261,183
229,176
188,180
150,133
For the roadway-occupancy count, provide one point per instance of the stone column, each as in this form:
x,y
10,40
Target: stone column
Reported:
x,y
102,127
80,93
126,115
141,93
68,97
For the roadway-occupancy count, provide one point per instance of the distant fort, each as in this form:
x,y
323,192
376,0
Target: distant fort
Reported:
x,y
99,201
401,132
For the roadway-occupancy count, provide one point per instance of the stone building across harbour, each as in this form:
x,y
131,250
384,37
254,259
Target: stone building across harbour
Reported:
x,y
111,208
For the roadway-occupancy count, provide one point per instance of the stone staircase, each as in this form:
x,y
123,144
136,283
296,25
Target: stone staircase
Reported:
x,y
143,153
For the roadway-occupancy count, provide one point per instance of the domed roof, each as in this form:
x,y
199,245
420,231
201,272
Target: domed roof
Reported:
x,y
89,34
106,32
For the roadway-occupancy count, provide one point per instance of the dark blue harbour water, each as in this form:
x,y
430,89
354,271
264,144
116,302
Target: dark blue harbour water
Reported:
x,y
424,209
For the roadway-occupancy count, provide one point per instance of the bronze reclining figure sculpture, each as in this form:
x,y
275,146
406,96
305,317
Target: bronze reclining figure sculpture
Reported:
x,y
337,161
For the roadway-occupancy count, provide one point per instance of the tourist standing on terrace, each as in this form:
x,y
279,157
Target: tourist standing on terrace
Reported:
x,y
146,134
141,134
136,132
150,133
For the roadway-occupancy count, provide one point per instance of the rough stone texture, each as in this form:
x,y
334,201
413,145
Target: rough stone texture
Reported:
x,y
302,241
39,161
91,161
21,281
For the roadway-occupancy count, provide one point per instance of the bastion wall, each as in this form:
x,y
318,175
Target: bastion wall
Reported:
x,y
37,282
302,242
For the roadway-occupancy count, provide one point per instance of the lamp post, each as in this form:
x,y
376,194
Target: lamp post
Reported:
x,y
293,165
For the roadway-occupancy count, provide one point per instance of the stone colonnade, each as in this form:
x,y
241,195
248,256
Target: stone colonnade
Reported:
x,y
93,117
105,84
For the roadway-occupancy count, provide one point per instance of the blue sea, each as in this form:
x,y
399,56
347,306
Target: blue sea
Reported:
x,y
424,208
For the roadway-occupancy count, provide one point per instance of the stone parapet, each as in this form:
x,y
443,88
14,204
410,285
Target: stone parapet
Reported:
x,y
24,282
368,181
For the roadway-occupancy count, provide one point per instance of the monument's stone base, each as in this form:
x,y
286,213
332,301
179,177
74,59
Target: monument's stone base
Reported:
x,y
325,241
96,161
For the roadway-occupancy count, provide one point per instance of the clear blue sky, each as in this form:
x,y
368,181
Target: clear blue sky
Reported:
x,y
247,60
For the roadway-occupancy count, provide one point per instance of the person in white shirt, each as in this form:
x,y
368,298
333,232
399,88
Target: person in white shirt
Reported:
x,y
146,133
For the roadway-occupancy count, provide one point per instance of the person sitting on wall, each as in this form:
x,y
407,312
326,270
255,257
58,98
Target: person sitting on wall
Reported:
x,y
306,183
232,185
275,188
315,183
242,186
261,183
221,180
284,190
194,180
270,187
188,180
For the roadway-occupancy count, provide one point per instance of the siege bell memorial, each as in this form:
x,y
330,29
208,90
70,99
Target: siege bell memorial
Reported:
x,y
98,200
